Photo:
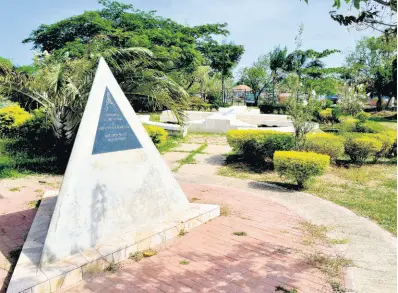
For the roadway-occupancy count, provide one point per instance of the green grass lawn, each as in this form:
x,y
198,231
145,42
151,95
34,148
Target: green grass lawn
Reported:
x,y
388,123
154,117
16,163
369,191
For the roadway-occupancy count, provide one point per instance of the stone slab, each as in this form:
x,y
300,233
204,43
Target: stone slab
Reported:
x,y
173,157
199,169
28,276
214,160
217,149
187,147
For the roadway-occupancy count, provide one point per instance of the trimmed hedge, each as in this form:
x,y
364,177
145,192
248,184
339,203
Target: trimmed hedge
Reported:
x,y
157,134
369,127
388,138
360,148
254,144
300,166
362,116
348,124
325,143
273,108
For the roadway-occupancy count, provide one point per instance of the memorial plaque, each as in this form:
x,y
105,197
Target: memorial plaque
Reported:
x,y
113,132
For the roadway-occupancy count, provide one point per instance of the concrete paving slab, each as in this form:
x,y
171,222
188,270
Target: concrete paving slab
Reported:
x,y
187,147
198,169
213,160
217,149
173,157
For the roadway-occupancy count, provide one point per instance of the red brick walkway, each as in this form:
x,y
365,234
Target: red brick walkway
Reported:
x,y
269,256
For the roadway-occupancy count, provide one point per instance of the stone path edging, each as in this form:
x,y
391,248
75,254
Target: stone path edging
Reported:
x,y
29,277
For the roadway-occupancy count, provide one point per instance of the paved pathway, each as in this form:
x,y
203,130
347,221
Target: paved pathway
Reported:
x,y
372,249
270,255
17,199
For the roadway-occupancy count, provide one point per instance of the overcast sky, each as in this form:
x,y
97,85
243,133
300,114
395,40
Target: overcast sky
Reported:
x,y
259,25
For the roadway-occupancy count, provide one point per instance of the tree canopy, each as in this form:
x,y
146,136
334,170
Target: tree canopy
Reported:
x,y
373,63
379,15
126,27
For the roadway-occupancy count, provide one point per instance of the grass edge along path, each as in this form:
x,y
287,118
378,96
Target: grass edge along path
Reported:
x,y
369,191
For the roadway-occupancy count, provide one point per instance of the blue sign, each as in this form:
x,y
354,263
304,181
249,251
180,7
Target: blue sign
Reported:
x,y
113,132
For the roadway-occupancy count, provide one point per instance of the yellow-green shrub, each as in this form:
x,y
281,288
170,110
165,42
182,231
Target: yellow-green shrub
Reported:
x,y
348,124
11,118
362,116
300,166
369,127
157,134
360,148
388,138
325,143
254,144
326,115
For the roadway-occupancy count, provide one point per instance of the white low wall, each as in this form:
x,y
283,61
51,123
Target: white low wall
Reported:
x,y
172,129
265,119
168,116
236,117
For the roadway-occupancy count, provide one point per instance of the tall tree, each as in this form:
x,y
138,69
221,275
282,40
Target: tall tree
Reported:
x,y
277,61
223,58
257,77
373,62
62,86
379,15
307,64
127,27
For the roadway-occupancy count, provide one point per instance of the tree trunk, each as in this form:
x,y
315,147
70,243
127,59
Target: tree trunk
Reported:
x,y
379,103
388,103
223,89
256,97
273,88
298,87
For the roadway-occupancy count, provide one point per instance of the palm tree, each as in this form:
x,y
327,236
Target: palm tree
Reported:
x,y
61,85
277,60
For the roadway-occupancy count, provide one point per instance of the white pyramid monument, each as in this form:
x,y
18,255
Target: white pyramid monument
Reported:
x,y
116,180
118,196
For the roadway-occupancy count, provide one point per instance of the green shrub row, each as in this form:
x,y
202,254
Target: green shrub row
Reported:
x,y
273,108
360,124
358,146
325,143
320,149
257,144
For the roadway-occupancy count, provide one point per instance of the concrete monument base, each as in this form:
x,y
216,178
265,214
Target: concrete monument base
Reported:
x,y
29,277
